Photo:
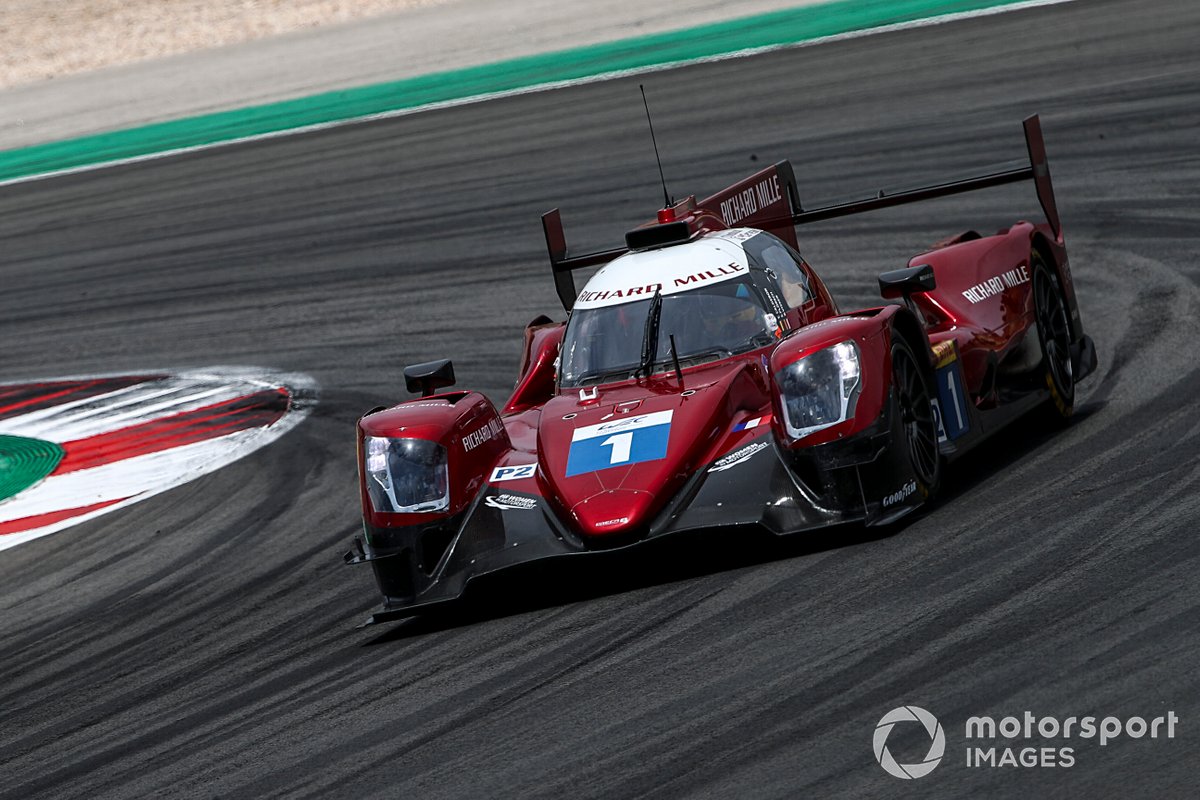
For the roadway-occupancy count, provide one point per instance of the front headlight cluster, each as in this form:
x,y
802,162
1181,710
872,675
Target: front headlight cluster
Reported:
x,y
821,389
406,475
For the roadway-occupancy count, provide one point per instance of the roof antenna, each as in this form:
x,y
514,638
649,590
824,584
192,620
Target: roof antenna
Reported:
x,y
666,195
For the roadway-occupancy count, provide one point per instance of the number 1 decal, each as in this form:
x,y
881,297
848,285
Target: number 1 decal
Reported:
x,y
952,412
620,441
952,388
621,444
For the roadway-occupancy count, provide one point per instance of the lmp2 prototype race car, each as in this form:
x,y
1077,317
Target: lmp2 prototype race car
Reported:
x,y
705,378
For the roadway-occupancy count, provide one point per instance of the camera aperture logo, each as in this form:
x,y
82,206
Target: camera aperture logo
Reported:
x,y
937,746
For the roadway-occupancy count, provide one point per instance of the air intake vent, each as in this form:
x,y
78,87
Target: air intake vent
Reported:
x,y
658,235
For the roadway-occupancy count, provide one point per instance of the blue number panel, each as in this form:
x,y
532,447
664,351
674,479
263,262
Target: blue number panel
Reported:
x,y
620,442
952,398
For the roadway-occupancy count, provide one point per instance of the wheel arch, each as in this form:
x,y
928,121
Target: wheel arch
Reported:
x,y
904,323
904,326
1055,256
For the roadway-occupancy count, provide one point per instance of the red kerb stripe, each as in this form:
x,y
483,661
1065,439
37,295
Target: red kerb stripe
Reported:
x,y
256,410
42,520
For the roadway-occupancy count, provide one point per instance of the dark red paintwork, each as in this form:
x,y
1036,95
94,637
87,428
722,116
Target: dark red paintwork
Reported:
x,y
539,420
423,559
986,331
449,419
621,499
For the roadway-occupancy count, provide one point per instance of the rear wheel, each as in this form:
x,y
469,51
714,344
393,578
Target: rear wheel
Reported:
x,y
1054,333
914,392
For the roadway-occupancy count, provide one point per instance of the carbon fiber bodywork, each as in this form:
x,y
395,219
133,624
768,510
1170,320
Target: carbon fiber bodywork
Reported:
x,y
863,479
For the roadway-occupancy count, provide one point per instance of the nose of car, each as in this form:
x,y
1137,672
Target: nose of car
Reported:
x,y
615,460
614,512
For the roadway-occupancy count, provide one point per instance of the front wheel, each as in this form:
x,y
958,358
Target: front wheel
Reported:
x,y
914,391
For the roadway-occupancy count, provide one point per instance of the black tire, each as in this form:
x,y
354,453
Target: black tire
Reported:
x,y
912,386
1054,336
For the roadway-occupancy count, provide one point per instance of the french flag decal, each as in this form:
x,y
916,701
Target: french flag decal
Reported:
x,y
752,423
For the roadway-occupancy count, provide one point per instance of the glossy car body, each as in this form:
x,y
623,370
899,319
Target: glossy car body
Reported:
x,y
575,462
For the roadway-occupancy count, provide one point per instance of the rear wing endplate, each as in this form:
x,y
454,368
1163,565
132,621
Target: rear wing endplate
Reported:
x,y
785,213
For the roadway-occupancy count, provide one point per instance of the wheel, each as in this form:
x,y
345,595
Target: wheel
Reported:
x,y
1054,334
913,388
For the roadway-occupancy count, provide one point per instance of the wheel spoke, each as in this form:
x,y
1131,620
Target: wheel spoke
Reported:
x,y
1058,324
1054,329
926,450
1042,295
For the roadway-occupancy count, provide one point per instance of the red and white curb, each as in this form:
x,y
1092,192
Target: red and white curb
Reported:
x,y
121,439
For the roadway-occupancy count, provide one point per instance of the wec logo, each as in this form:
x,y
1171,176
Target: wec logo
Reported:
x,y
937,747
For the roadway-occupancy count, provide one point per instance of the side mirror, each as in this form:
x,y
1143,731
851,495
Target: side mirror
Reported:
x,y
430,376
908,281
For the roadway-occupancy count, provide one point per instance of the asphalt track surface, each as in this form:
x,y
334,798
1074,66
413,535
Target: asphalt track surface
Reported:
x,y
203,643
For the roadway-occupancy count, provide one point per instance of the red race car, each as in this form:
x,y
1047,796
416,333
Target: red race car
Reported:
x,y
705,378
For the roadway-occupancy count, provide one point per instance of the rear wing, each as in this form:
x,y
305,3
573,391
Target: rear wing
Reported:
x,y
769,201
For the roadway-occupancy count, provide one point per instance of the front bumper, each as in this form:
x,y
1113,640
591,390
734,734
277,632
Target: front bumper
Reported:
x,y
761,485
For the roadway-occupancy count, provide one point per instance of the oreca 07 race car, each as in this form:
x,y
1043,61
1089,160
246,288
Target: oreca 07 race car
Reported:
x,y
706,378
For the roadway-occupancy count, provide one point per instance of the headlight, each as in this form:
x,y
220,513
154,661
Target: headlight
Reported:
x,y
820,389
406,475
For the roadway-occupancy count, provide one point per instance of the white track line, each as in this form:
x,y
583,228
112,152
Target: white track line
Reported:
x,y
109,413
36,423
61,409
541,87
